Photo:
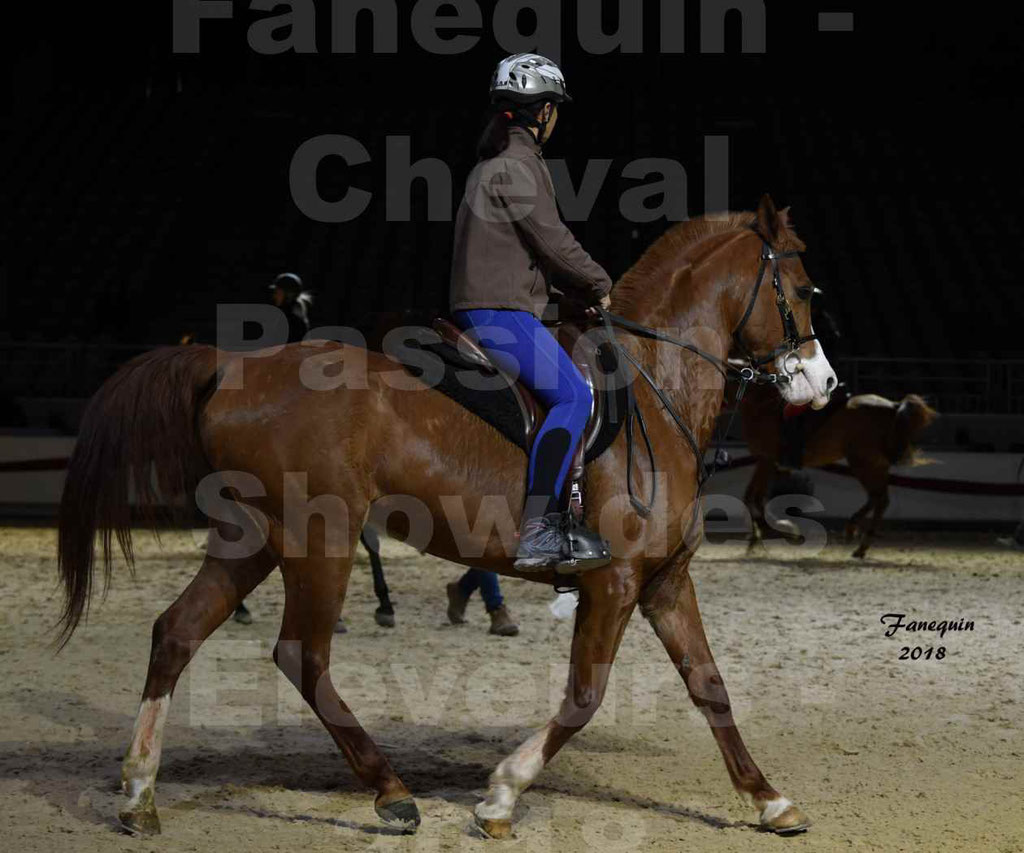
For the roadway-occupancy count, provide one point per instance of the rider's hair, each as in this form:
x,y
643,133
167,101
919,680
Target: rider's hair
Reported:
x,y
502,115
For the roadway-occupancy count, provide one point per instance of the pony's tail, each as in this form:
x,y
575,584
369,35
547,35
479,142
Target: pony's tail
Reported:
x,y
913,415
500,117
138,439
494,139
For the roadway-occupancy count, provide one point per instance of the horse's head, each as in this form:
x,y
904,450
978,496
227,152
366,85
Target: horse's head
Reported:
x,y
774,331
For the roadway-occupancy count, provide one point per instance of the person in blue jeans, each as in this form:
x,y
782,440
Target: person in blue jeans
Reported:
x,y
459,592
511,247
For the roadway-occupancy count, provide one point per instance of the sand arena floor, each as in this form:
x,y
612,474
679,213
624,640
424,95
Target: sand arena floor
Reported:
x,y
883,754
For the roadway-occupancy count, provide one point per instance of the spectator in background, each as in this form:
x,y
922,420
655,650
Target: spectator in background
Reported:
x,y
459,592
825,325
288,294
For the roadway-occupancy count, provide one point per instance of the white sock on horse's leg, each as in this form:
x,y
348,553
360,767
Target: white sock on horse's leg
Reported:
x,y
138,772
513,776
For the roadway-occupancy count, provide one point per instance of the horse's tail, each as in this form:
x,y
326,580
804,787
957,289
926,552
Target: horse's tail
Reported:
x,y
913,415
138,438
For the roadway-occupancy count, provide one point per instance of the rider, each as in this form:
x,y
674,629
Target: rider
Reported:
x,y
288,294
511,246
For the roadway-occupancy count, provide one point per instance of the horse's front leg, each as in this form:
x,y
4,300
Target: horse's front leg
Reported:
x,y
607,599
670,605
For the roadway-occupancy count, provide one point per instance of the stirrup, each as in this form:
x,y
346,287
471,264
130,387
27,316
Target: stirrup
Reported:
x,y
587,549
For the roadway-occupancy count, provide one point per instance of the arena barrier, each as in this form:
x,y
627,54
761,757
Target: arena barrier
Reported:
x,y
956,486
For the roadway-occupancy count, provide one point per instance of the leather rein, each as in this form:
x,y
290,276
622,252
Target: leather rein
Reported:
x,y
751,373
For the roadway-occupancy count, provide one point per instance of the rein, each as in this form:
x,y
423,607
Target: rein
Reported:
x,y
750,374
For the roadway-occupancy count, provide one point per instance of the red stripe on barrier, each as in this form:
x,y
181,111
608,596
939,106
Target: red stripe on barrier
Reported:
x,y
933,484
930,484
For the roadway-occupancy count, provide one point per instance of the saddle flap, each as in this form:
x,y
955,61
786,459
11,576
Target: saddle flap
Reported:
x,y
609,392
466,347
471,351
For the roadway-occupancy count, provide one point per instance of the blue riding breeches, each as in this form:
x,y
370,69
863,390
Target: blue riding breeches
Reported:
x,y
520,345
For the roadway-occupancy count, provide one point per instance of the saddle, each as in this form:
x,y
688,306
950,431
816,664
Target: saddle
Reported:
x,y
520,422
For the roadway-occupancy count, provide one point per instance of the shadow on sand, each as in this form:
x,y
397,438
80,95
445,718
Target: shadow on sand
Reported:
x,y
210,769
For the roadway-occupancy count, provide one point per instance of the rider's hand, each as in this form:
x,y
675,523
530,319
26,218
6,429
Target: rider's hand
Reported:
x,y
605,303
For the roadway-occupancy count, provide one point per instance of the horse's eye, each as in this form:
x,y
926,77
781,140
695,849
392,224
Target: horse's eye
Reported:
x,y
804,293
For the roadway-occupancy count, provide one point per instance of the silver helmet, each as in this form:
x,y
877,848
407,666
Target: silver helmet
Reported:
x,y
528,77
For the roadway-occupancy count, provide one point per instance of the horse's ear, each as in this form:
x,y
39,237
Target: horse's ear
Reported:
x,y
785,220
767,217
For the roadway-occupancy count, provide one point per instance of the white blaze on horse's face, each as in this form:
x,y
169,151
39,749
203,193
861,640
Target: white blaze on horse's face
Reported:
x,y
812,380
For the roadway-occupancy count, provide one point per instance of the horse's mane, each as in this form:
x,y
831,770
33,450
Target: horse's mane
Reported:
x,y
635,283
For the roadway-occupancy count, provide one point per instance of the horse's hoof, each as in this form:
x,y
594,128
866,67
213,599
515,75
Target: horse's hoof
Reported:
x,y
140,821
340,627
788,529
790,821
859,553
402,814
385,620
499,829
242,615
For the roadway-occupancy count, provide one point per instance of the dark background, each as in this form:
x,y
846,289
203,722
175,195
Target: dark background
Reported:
x,y
147,186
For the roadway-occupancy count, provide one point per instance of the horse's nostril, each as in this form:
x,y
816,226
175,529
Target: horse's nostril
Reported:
x,y
830,384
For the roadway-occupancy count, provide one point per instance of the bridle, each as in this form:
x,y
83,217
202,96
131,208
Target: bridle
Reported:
x,y
793,340
750,373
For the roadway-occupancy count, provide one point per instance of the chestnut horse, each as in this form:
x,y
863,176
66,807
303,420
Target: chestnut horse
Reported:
x,y
870,432
385,440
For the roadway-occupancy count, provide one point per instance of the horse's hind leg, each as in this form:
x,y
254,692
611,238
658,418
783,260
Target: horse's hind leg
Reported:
x,y
206,602
314,593
853,525
671,608
880,500
875,480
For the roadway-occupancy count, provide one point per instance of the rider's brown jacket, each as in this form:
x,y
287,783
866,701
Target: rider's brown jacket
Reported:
x,y
511,246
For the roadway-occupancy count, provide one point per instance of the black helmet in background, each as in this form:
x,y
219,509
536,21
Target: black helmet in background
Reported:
x,y
290,283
